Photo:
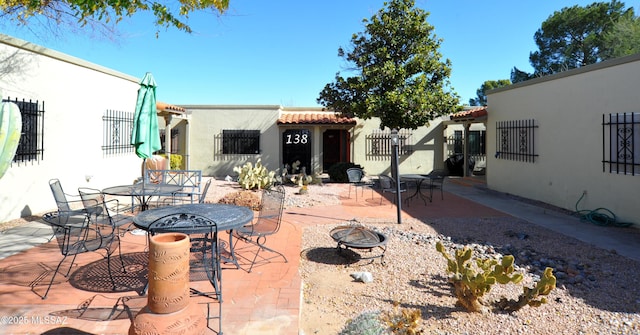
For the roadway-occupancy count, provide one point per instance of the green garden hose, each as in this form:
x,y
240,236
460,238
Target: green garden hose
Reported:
x,y
599,216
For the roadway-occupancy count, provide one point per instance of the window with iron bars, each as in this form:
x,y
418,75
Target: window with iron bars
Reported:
x,y
378,143
31,145
515,140
116,132
477,140
621,143
240,141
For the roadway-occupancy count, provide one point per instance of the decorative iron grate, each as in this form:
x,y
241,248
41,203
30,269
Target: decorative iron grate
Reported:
x,y
31,146
117,128
621,143
515,140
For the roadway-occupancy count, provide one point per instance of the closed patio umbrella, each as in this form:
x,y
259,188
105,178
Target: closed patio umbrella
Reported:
x,y
145,135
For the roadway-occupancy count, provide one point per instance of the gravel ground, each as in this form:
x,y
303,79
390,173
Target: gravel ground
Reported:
x,y
597,291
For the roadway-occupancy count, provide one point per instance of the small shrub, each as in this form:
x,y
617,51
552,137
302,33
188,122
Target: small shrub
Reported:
x,y
368,323
338,171
244,198
403,321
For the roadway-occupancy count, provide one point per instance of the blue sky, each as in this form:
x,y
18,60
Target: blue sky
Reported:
x,y
285,52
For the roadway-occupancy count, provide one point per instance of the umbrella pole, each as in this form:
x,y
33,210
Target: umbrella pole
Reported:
x,y
144,180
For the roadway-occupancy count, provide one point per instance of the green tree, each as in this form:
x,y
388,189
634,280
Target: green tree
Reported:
x,y
518,75
573,37
398,74
481,99
624,37
102,13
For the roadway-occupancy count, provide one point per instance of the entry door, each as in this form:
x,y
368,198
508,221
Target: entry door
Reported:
x,y
335,147
296,146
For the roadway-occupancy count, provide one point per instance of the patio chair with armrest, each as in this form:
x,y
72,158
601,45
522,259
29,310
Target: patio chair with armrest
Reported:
x,y
76,233
388,184
436,181
66,206
104,211
204,253
268,223
355,176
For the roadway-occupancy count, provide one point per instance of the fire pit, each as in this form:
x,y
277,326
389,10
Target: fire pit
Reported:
x,y
359,237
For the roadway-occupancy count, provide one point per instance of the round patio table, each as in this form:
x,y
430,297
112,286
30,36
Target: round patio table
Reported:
x,y
143,192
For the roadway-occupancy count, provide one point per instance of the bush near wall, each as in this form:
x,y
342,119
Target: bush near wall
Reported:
x,y
338,171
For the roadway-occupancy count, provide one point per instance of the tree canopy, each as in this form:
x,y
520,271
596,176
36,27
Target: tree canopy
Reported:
x,y
104,12
577,36
481,93
398,73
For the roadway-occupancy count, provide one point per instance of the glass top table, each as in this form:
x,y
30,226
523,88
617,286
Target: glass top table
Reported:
x,y
143,192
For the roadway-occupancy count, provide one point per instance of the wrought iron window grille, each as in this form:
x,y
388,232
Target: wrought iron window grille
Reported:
x,y
116,131
31,145
515,140
621,143
240,142
378,143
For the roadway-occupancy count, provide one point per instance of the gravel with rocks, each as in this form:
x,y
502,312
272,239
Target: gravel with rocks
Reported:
x,y
597,292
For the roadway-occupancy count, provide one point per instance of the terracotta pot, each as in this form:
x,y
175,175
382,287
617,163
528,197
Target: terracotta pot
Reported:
x,y
189,320
168,272
168,309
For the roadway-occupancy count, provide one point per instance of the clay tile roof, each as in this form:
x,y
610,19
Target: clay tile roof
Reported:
x,y
165,107
314,118
471,113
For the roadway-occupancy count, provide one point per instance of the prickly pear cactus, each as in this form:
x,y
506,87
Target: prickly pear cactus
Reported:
x,y
472,282
251,177
533,297
10,130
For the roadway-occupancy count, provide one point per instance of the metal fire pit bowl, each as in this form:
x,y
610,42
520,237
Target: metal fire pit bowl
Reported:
x,y
359,237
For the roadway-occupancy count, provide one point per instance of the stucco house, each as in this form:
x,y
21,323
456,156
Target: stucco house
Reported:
x,y
569,137
78,134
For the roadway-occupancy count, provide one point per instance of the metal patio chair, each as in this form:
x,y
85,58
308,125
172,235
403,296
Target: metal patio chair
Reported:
x,y
204,253
436,181
77,233
355,176
268,223
104,211
388,184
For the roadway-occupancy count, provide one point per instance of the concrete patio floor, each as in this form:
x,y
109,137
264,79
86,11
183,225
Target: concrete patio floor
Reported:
x,y
265,301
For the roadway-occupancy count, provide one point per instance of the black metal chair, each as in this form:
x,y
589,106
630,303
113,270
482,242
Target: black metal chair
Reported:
x,y
268,223
104,211
388,184
355,176
436,181
204,253
76,233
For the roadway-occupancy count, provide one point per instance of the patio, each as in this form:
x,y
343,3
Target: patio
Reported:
x,y
265,301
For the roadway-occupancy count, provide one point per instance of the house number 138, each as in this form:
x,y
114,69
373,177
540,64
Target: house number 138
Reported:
x,y
297,139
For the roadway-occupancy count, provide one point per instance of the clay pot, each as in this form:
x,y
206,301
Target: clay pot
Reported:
x,y
189,320
168,309
168,272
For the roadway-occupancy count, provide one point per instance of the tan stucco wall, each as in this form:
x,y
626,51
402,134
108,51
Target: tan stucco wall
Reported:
x,y
206,125
208,121
568,109
76,94
428,149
